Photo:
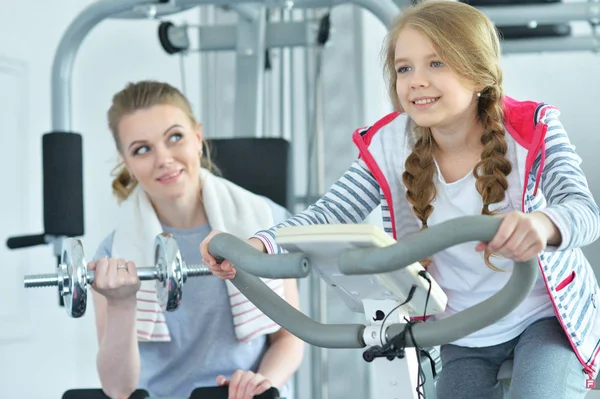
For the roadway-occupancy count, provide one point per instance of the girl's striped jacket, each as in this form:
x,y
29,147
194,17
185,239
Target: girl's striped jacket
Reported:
x,y
547,179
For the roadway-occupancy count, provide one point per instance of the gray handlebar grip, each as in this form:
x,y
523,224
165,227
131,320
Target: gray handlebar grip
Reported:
x,y
476,317
244,256
418,246
294,321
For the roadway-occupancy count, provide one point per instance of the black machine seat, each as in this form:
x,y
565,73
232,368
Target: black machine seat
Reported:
x,y
198,393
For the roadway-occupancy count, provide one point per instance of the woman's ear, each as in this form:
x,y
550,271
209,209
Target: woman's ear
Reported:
x,y
131,175
126,166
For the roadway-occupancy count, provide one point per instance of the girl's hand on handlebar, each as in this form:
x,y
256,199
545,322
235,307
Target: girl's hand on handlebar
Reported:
x,y
520,237
224,270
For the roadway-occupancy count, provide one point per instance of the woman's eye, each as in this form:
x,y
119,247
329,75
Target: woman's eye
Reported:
x,y
176,137
140,150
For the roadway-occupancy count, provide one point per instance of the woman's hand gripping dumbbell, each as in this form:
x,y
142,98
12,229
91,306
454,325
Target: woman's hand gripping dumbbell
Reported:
x,y
120,279
115,279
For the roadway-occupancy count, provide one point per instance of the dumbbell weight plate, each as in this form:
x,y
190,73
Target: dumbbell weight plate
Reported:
x,y
72,262
168,261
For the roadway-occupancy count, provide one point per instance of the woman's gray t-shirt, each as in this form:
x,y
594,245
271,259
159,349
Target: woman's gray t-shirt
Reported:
x,y
203,343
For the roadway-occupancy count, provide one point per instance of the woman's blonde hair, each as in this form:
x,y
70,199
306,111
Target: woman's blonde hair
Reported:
x,y
468,43
143,95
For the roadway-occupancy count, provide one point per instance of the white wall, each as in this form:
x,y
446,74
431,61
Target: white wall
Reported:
x,y
44,352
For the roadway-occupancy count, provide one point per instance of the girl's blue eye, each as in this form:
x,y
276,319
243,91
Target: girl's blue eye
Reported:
x,y
437,64
403,69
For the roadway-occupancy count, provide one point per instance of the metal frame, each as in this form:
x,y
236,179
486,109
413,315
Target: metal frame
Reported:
x,y
384,10
543,14
573,43
224,37
249,76
64,59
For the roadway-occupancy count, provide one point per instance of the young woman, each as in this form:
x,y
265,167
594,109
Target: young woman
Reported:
x,y
215,337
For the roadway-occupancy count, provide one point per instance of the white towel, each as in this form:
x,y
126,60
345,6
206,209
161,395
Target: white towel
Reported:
x,y
230,209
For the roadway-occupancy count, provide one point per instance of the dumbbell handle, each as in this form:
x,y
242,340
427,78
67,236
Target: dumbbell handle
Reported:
x,y
41,280
144,273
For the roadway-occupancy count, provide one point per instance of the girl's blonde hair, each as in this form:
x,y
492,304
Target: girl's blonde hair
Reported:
x,y
468,43
143,95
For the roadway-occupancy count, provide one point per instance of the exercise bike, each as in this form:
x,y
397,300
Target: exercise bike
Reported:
x,y
381,278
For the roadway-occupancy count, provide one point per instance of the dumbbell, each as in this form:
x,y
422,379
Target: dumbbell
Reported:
x,y
72,276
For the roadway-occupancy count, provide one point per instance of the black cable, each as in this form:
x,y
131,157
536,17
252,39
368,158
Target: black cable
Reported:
x,y
408,298
423,273
428,355
421,379
401,338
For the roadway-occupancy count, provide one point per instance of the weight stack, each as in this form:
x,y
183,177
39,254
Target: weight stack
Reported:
x,y
62,160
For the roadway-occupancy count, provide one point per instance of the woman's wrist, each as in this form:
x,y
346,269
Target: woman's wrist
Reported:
x,y
122,304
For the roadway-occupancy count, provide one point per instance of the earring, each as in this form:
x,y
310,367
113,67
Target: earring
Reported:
x,y
479,94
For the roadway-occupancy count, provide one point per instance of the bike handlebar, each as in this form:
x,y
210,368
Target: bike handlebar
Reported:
x,y
379,260
242,255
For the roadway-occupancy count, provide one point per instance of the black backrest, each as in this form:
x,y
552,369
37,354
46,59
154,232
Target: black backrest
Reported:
x,y
260,165
198,393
